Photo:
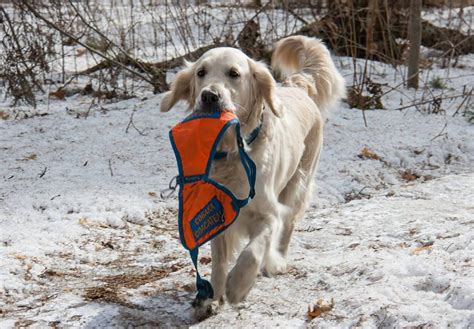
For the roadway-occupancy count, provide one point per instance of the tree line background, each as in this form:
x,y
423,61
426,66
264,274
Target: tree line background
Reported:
x,y
111,49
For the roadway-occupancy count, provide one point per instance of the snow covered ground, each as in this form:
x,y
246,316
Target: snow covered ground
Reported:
x,y
86,241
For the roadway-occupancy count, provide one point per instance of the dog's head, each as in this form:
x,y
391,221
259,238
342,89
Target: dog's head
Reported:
x,y
223,78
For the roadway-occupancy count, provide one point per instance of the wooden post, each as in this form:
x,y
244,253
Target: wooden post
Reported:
x,y
414,35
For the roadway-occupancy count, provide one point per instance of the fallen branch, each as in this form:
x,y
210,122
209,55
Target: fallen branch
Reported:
x,y
157,70
102,35
429,101
145,66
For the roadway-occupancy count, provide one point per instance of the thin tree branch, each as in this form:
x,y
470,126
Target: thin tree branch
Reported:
x,y
91,49
428,101
102,35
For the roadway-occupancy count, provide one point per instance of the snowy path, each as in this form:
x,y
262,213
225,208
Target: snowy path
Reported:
x,y
85,240
394,261
388,261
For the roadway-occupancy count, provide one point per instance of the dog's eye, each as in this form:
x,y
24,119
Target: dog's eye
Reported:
x,y
233,73
201,73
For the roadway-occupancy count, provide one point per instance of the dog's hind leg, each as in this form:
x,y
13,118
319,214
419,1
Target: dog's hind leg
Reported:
x,y
297,193
295,196
274,261
242,277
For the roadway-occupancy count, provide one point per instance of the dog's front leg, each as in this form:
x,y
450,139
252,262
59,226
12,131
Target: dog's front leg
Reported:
x,y
219,267
241,278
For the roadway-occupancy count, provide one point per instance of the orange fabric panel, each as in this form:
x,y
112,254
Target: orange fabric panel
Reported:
x,y
195,197
227,116
202,203
194,140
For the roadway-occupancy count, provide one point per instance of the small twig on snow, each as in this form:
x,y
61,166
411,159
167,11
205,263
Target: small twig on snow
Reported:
x,y
110,168
89,109
468,96
132,124
441,133
43,172
365,119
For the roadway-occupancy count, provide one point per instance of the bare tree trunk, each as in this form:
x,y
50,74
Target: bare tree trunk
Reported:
x,y
414,35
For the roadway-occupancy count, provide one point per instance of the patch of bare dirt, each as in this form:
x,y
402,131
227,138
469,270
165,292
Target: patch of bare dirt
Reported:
x,y
110,291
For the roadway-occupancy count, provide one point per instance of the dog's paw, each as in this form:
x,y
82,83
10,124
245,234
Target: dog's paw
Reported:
x,y
235,291
274,264
206,308
235,297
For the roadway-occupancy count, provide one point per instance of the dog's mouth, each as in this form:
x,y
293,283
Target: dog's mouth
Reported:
x,y
212,101
213,108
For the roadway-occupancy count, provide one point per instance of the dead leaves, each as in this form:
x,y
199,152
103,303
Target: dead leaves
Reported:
x,y
422,245
30,157
344,231
205,260
23,323
4,115
319,308
368,154
59,94
367,96
84,222
19,257
90,224
426,246
80,52
409,176
419,249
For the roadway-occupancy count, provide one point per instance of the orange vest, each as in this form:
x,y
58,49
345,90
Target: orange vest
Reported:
x,y
206,207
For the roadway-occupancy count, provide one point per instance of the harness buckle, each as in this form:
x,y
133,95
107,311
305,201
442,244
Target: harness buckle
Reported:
x,y
172,186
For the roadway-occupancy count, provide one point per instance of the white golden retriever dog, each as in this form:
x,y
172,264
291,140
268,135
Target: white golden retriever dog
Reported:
x,y
286,151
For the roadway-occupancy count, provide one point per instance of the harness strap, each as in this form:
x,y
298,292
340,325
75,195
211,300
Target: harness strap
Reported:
x,y
249,167
203,286
248,140
254,134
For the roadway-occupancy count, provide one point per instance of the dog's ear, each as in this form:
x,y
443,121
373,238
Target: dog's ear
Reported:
x,y
264,86
182,88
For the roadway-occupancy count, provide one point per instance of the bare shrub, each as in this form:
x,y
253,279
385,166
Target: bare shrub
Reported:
x,y
113,49
27,46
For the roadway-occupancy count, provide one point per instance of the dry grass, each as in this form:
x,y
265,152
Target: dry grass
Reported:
x,y
110,292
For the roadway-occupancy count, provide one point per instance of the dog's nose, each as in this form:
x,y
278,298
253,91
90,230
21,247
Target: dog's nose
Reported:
x,y
209,97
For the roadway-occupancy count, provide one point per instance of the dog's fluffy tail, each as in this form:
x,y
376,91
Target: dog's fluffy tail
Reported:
x,y
306,63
